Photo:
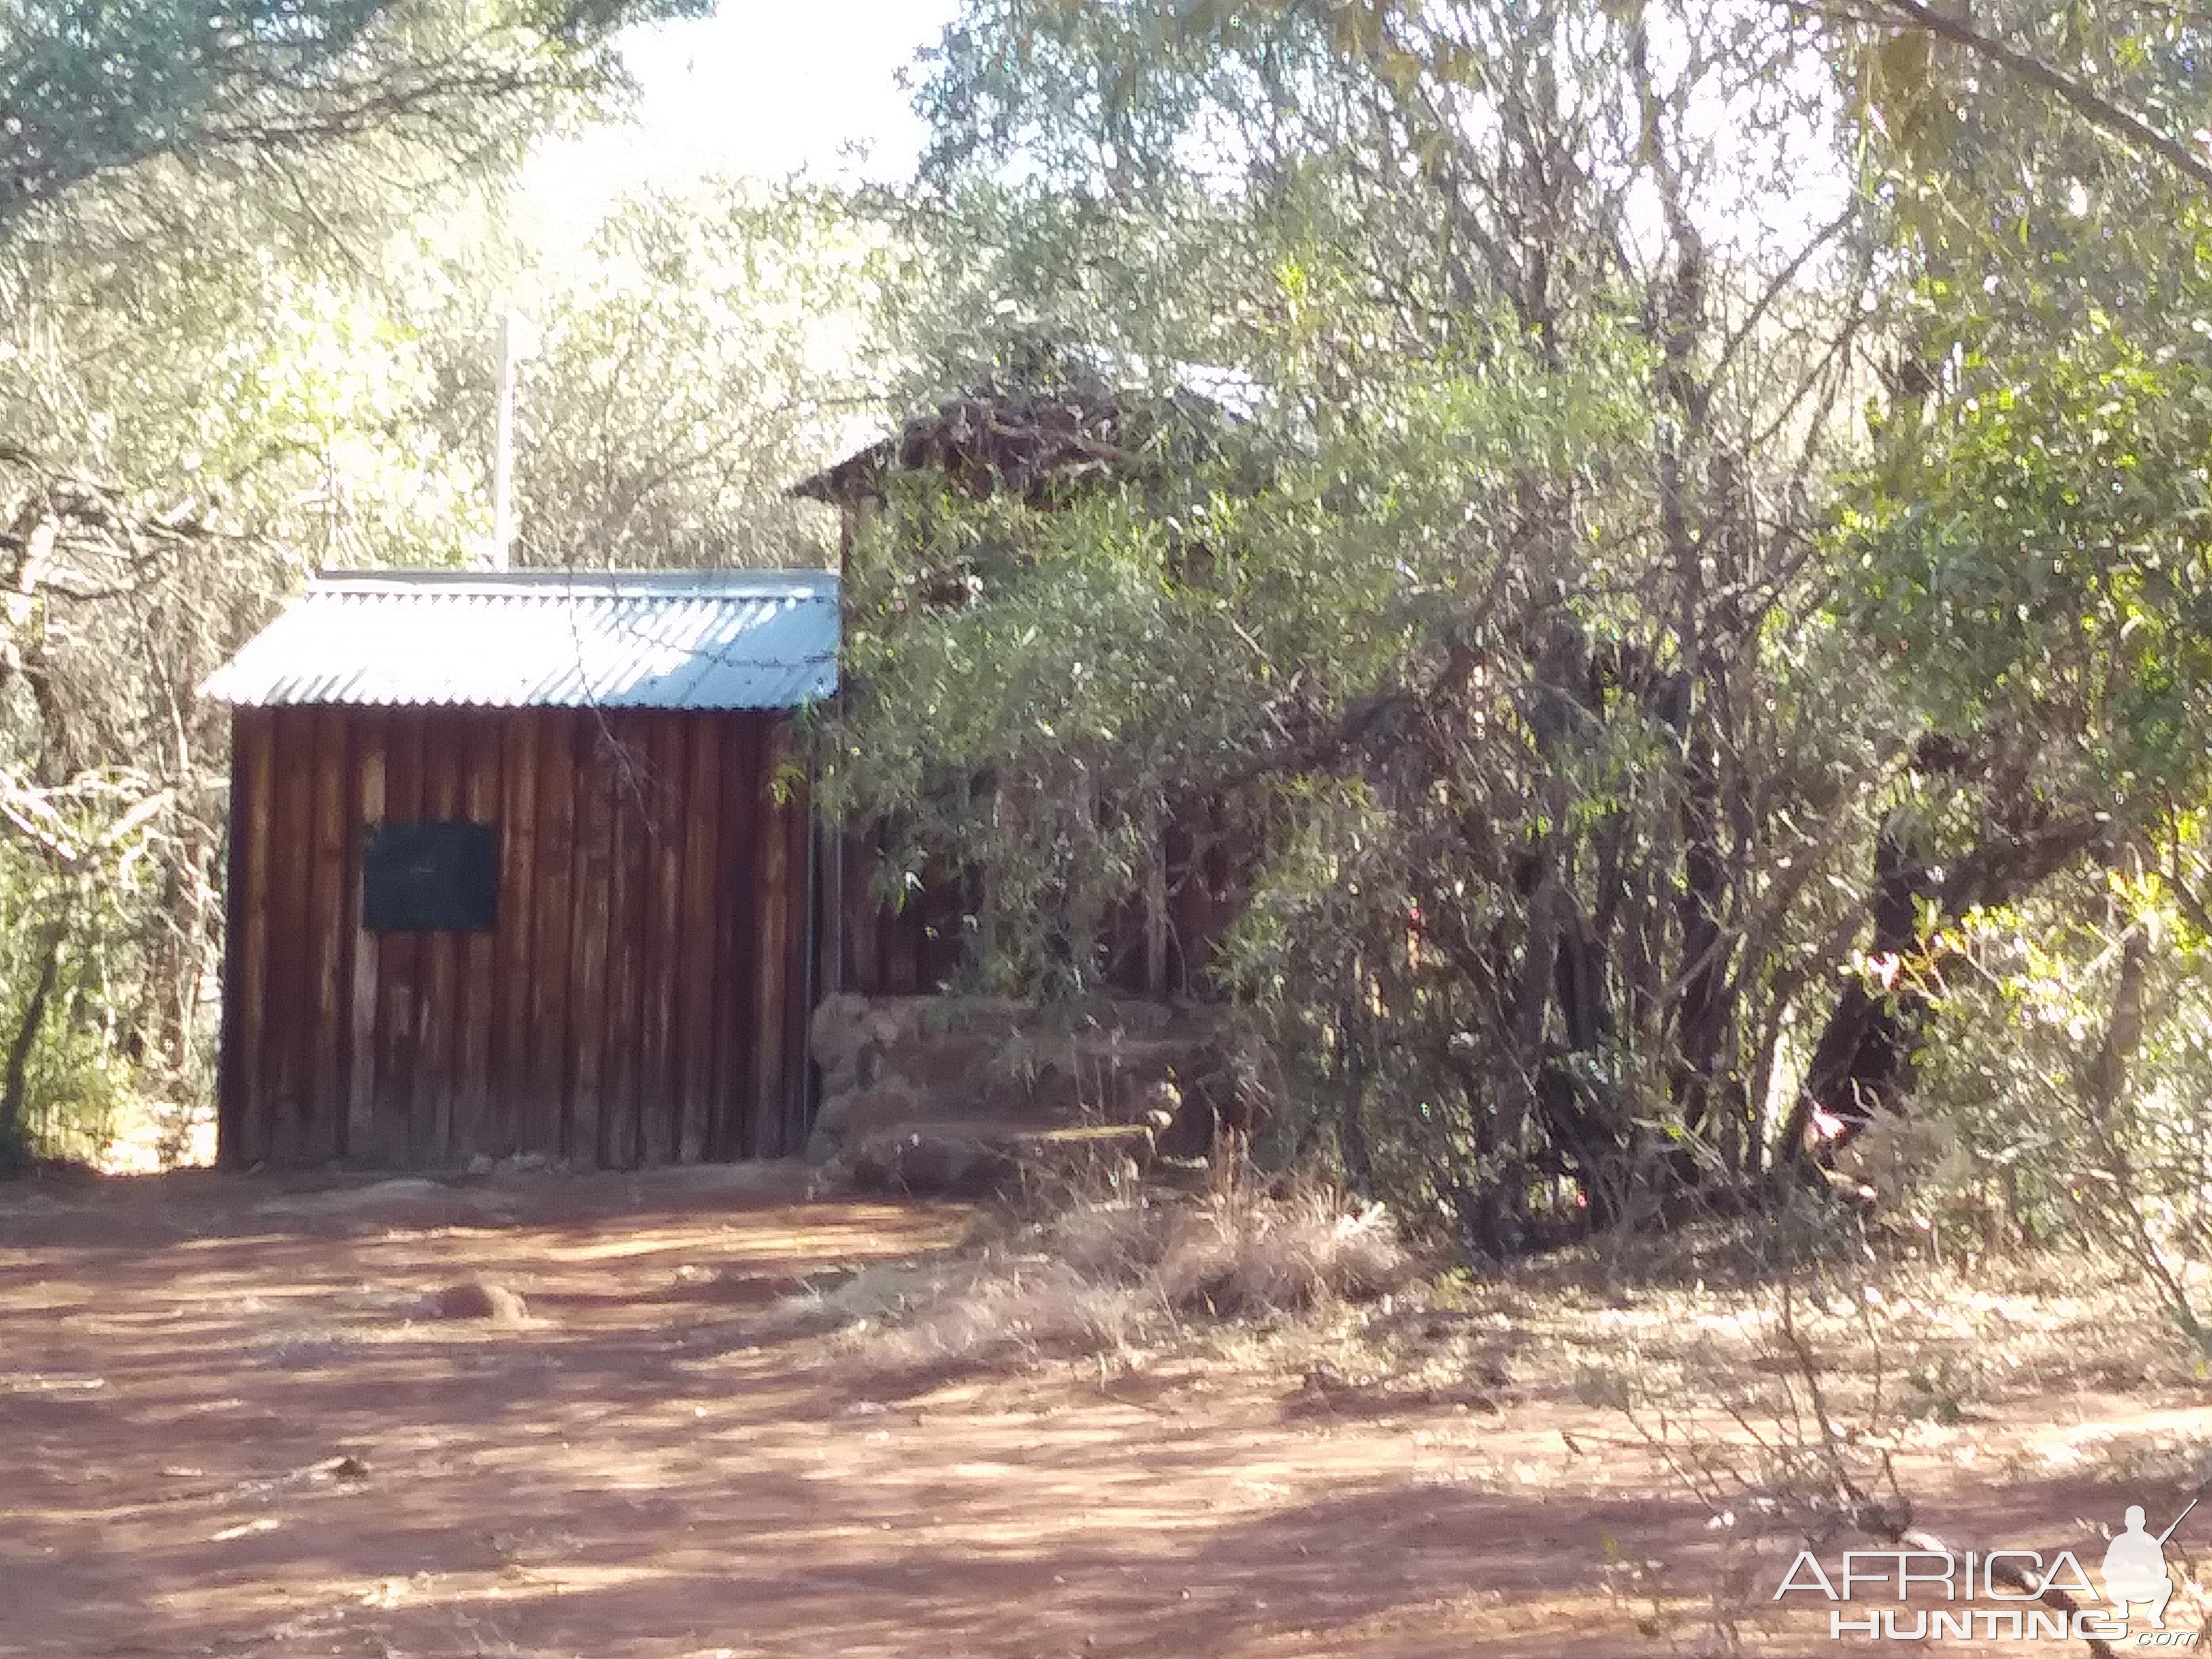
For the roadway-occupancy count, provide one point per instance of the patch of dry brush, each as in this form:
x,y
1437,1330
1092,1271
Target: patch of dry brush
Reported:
x,y
1100,1278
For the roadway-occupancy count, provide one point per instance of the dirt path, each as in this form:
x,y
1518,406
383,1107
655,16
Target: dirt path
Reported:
x,y
229,1428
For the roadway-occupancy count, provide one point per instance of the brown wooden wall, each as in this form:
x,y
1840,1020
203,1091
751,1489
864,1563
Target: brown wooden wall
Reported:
x,y
1162,945
642,1000
880,949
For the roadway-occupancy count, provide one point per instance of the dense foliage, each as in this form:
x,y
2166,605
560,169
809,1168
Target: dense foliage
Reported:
x,y
1729,533
1662,549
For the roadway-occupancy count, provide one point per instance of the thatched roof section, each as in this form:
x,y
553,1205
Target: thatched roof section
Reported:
x,y
1043,443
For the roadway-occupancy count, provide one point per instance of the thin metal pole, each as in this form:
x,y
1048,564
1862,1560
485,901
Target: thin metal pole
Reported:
x,y
514,346
502,464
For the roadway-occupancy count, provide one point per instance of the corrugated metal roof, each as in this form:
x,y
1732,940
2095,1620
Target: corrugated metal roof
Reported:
x,y
690,639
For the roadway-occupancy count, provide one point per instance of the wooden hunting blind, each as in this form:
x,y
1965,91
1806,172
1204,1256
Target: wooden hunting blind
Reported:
x,y
522,863
1054,430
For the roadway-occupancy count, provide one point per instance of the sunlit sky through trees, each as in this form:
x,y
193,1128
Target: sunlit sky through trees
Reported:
x,y
763,88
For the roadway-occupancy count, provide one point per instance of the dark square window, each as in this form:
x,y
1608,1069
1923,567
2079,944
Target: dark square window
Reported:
x,y
430,879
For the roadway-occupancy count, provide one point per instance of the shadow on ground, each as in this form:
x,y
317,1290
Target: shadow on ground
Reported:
x,y
226,1429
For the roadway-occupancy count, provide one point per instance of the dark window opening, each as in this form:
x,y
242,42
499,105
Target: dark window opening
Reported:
x,y
430,879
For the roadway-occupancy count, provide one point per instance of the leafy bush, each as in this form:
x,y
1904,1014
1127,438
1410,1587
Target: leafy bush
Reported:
x,y
80,920
2063,1103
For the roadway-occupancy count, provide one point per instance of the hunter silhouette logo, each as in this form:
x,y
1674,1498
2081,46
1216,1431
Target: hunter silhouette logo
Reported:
x,y
2023,1595
2134,1567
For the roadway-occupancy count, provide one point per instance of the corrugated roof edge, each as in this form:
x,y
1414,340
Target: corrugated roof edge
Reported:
x,y
729,584
257,675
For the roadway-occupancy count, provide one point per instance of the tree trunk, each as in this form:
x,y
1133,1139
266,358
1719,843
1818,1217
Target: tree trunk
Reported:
x,y
1352,1129
2108,1072
15,1083
1863,1063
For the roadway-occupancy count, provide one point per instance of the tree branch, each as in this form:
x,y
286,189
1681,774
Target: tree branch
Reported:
x,y
2084,100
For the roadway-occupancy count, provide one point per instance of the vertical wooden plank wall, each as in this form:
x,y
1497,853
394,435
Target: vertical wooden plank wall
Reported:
x,y
1161,944
358,1136
238,1130
641,999
731,1132
546,1129
437,1058
660,974
482,801
399,959
591,744
702,963
284,1037
332,926
511,1059
874,946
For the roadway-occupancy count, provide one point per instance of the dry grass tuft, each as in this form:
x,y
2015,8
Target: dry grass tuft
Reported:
x,y
1024,1310
1102,1277
1237,1256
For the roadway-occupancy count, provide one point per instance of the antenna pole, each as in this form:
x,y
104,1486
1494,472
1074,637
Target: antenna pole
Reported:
x,y
515,344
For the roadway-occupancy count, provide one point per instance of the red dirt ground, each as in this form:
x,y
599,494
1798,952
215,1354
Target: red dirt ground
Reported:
x,y
228,1428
